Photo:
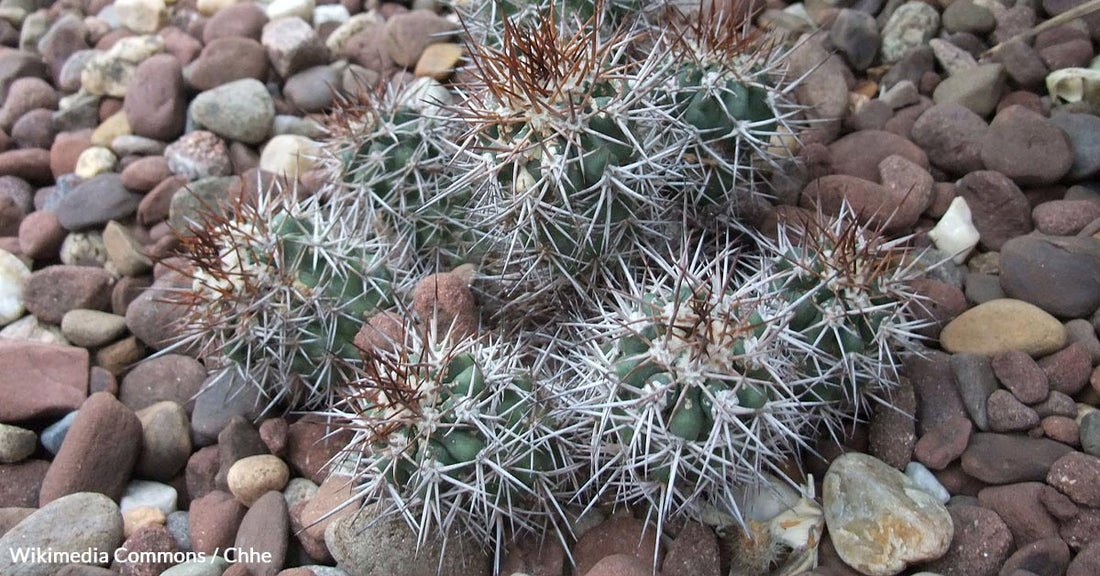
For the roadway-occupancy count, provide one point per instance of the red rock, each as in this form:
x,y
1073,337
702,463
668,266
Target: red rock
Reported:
x,y
35,129
1026,147
314,547
446,300
9,517
620,565
309,447
998,208
52,291
535,557
154,206
98,453
150,548
980,545
943,444
244,20
1068,369
145,173
869,201
273,432
909,189
1044,557
694,552
1077,475
893,428
214,519
266,526
406,35
1021,375
1006,458
1064,217
1087,561
180,44
942,303
227,59
1021,508
1063,429
156,102
24,95
30,164
66,150
951,135
201,470
616,536
1008,414
860,153
41,380
20,483
41,235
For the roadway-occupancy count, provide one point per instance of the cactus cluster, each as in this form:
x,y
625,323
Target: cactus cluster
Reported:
x,y
279,289
638,343
458,431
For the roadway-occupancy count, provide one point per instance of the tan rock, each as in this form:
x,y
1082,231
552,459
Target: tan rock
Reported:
x,y
140,516
113,127
1002,325
439,60
252,477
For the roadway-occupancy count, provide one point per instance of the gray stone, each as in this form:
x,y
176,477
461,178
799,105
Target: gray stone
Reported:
x,y
978,90
866,502
152,494
1061,275
198,198
74,523
1083,131
966,16
179,525
240,110
96,202
912,25
976,381
368,544
92,328
54,434
855,34
16,443
208,566
224,396
1090,433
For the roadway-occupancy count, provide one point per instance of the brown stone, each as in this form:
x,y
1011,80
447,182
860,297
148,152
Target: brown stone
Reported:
x,y
40,380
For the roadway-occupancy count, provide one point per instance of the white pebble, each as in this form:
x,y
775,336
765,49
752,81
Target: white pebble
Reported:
x,y
13,273
955,232
925,480
330,13
152,494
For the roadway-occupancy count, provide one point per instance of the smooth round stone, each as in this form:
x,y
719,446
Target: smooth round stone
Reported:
x,y
1058,274
252,477
1003,325
166,443
979,90
152,494
16,443
13,274
178,524
241,110
298,490
289,156
54,434
92,328
867,503
75,524
911,26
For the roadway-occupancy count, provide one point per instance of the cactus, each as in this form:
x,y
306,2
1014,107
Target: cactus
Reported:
x,y
730,116
457,432
562,172
279,289
394,159
725,364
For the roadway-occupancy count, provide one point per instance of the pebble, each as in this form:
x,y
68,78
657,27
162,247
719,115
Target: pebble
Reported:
x,y
138,517
439,61
980,545
95,161
1018,372
1082,529
1090,433
208,566
141,16
214,520
29,329
244,20
1059,275
92,328
951,135
54,434
110,73
241,110
979,89
143,493
311,444
1003,325
223,396
823,90
24,95
924,479
237,440
124,253
1026,147
1021,507
75,523
943,444
973,374
83,249
53,291
156,103
13,275
58,375
967,16
251,477
955,233
1064,217
333,500
1006,458
289,156
95,202
312,89
999,210
1081,131
198,155
1049,556
1081,332
863,499
1007,414
1077,475
16,444
169,377
953,59
147,552
292,45
407,35
166,444
1068,370
266,527
368,543
859,154
150,318
1086,562
226,60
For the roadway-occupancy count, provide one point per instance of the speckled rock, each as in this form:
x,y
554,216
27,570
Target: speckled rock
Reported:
x,y
74,523
867,504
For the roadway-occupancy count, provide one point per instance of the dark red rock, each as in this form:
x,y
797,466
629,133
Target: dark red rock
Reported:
x,y
1026,147
620,565
405,36
618,535
1063,429
98,453
41,380
245,20
238,439
1068,369
1087,561
938,399
1083,529
1077,475
201,470
1018,372
999,209
1021,508
943,444
227,59
20,483
146,553
273,432
1064,217
535,556
941,304
859,154
156,101
1007,414
316,548
309,447
1007,458
52,291
693,552
980,545
214,519
951,135
30,164
893,429
1047,557
66,149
